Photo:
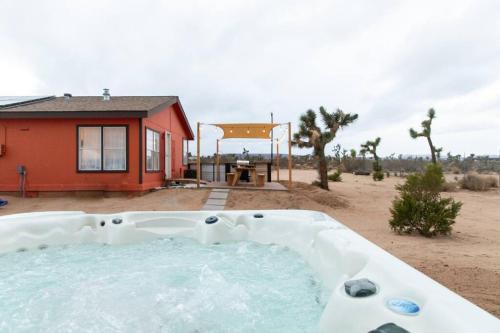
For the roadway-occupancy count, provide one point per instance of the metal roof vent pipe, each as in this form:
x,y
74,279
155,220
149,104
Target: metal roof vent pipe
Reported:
x,y
67,96
105,95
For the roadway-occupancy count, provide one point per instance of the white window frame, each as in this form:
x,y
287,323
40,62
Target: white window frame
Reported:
x,y
153,150
185,151
120,148
102,149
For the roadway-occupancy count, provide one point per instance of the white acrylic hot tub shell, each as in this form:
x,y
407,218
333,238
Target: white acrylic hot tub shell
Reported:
x,y
335,252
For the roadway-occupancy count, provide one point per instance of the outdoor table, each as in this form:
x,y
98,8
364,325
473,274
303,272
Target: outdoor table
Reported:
x,y
240,168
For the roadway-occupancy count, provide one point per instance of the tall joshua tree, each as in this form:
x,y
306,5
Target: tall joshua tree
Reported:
x,y
310,135
426,133
371,148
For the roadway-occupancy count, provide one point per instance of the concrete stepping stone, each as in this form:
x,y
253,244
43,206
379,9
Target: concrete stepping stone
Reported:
x,y
211,201
216,199
218,195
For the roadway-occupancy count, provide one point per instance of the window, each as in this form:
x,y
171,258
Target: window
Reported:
x,y
102,148
89,139
115,148
185,151
152,150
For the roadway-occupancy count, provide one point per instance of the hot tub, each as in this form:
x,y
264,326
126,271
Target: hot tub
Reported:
x,y
369,289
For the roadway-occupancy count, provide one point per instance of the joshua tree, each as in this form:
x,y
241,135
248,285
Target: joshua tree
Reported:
x,y
336,154
371,147
310,135
245,153
426,132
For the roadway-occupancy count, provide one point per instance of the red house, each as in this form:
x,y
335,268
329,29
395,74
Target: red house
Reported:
x,y
119,143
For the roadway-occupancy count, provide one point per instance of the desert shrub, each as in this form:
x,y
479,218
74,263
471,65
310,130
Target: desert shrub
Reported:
x,y
378,174
455,170
476,182
316,183
420,208
449,187
336,176
493,180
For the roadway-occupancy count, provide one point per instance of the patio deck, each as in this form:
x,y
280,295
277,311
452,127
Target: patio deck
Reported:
x,y
268,186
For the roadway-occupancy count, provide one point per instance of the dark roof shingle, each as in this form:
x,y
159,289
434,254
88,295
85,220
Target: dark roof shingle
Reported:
x,y
94,103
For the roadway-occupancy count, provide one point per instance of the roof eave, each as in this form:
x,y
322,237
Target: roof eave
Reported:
x,y
71,114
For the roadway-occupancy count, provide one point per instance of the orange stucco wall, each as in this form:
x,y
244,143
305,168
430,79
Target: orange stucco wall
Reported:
x,y
48,150
170,121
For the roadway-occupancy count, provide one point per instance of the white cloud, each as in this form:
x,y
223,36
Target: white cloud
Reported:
x,y
388,61
17,78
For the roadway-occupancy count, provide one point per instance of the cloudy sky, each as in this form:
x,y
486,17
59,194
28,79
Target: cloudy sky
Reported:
x,y
238,61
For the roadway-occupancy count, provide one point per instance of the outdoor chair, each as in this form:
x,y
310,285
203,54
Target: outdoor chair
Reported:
x,y
261,179
230,178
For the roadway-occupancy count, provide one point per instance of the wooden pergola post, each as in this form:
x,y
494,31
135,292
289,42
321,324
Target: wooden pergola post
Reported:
x,y
198,160
277,160
289,155
217,161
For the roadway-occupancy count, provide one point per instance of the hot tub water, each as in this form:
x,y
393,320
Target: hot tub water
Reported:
x,y
169,285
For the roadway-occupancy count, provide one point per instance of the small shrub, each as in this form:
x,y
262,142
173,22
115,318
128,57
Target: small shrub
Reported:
x,y
493,180
335,177
449,187
420,208
455,170
378,174
476,182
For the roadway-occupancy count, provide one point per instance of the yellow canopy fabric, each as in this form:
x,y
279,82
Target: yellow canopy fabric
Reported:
x,y
247,131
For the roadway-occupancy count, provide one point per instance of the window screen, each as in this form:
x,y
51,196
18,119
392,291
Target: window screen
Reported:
x,y
89,139
115,148
152,150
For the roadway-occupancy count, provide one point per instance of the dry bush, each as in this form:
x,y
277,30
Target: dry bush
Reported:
x,y
493,180
476,182
336,176
454,170
449,187
420,207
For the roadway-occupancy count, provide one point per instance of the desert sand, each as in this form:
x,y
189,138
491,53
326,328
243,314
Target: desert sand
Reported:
x,y
467,262
167,199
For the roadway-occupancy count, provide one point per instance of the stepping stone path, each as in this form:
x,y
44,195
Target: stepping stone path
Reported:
x,y
216,200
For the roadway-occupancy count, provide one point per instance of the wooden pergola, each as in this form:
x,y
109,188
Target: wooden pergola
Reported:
x,y
245,131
